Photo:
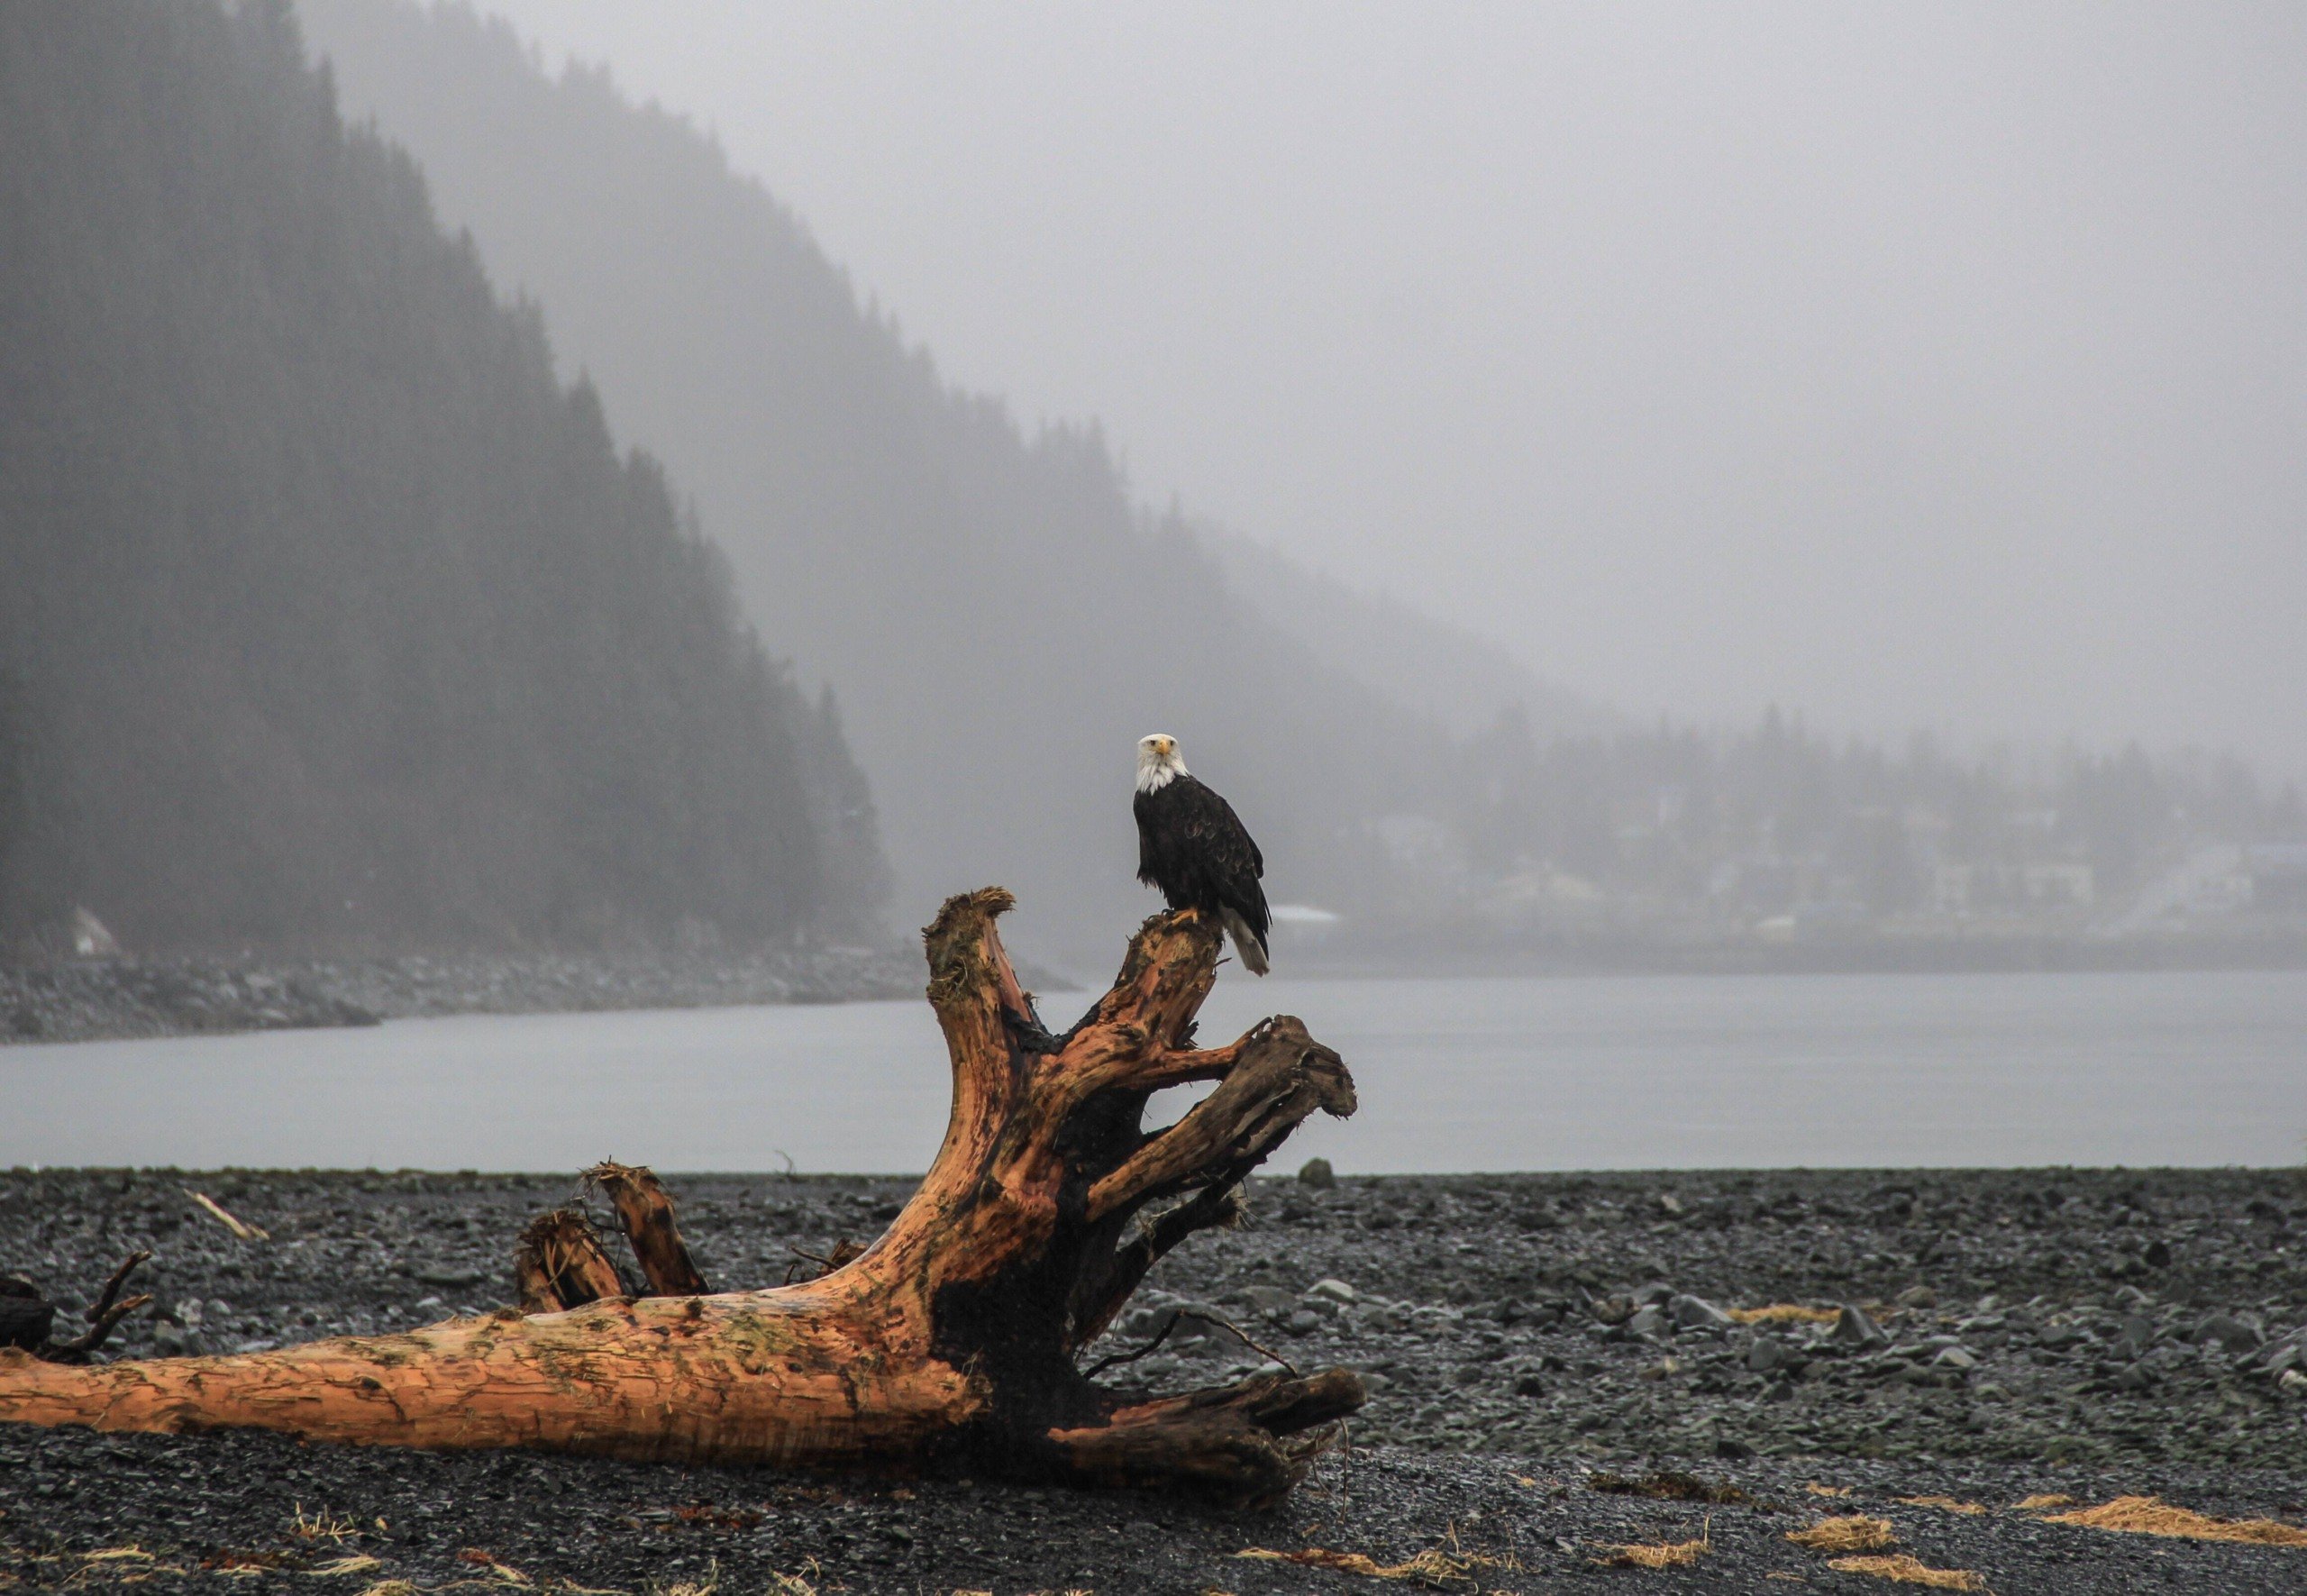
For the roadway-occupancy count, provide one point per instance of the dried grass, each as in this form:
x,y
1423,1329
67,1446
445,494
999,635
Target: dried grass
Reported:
x,y
1786,1313
1428,1568
1944,1504
1815,1488
2048,1500
1669,1485
514,1576
1654,1553
333,1527
1904,1570
341,1566
241,1566
1853,1532
390,1588
2150,1515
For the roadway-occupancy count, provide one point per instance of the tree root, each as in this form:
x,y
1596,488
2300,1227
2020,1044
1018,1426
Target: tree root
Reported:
x,y
950,1342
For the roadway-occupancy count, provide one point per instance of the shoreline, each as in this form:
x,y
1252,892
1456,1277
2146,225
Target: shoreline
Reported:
x,y
123,998
1874,955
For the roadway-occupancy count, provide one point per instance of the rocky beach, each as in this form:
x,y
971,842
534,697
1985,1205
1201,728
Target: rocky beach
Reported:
x,y
1695,1367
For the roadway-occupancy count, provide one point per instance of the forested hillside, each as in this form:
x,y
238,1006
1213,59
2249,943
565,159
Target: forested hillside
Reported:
x,y
1001,620
329,618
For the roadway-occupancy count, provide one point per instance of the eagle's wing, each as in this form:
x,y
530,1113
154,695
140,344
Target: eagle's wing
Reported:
x,y
1242,844
1230,853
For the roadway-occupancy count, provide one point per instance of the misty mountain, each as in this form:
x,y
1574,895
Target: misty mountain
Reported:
x,y
1001,619
1442,671
329,616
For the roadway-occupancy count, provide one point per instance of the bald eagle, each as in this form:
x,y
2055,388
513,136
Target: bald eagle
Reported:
x,y
1193,847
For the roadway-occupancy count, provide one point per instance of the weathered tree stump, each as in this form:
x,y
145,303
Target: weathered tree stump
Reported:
x,y
950,1342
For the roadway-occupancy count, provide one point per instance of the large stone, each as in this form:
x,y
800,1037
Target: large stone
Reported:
x,y
169,1341
1691,1313
1854,1329
1269,1298
2234,1334
2285,1352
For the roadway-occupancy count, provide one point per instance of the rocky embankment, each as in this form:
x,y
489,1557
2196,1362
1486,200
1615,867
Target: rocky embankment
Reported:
x,y
89,1000
1565,1364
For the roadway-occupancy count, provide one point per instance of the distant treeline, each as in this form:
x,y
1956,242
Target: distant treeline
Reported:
x,y
1777,812
328,616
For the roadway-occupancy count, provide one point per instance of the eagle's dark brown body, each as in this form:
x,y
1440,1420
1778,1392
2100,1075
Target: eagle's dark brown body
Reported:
x,y
1193,847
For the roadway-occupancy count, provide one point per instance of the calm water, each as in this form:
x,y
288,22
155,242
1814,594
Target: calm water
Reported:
x,y
1478,1074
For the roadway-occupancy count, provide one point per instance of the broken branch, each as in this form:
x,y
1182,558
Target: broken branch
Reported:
x,y
646,1214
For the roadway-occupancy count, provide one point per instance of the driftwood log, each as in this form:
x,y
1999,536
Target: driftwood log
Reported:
x,y
952,1343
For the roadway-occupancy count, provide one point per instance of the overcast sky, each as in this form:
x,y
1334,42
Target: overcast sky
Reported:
x,y
1913,366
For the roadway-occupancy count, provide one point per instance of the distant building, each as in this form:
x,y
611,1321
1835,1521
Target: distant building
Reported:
x,y
2057,884
1969,888
1830,921
1539,895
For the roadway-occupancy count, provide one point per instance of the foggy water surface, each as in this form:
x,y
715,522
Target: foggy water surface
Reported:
x,y
1472,1074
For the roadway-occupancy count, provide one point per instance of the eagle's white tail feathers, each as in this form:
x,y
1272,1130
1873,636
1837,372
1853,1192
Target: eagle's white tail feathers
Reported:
x,y
1245,943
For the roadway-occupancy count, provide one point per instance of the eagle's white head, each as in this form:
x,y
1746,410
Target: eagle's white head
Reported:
x,y
1158,763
